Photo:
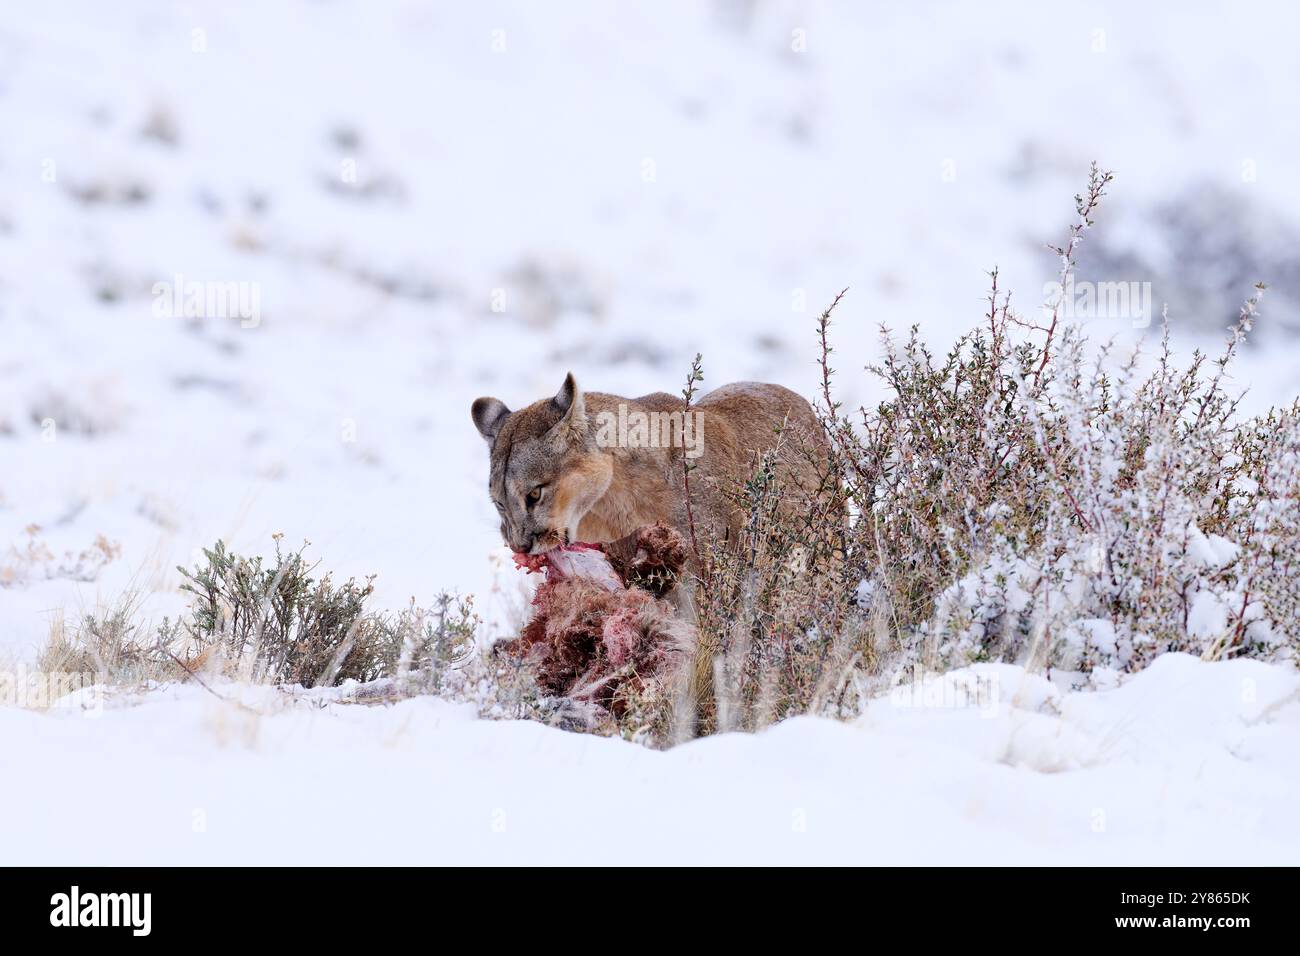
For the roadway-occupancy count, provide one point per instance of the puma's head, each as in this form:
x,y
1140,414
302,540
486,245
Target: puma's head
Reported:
x,y
546,471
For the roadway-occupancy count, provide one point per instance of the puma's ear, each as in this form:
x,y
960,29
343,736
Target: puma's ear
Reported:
x,y
489,415
568,401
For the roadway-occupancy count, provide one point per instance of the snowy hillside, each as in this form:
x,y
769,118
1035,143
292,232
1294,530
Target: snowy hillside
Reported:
x,y
425,203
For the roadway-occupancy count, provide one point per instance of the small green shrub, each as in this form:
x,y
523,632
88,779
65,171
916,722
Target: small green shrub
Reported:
x,y
279,623
273,622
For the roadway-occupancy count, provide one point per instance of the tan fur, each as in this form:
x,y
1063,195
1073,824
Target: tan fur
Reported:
x,y
594,493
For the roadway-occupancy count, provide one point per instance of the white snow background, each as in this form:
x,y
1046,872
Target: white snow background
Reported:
x,y
629,184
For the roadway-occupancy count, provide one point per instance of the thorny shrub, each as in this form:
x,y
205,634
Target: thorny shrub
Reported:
x,y
1024,497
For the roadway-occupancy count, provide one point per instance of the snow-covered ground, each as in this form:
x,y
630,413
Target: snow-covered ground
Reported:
x,y
1186,763
431,202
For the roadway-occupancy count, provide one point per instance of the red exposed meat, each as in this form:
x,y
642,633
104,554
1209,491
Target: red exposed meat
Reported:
x,y
591,635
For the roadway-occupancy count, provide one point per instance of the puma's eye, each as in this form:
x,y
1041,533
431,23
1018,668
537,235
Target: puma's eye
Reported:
x,y
535,495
